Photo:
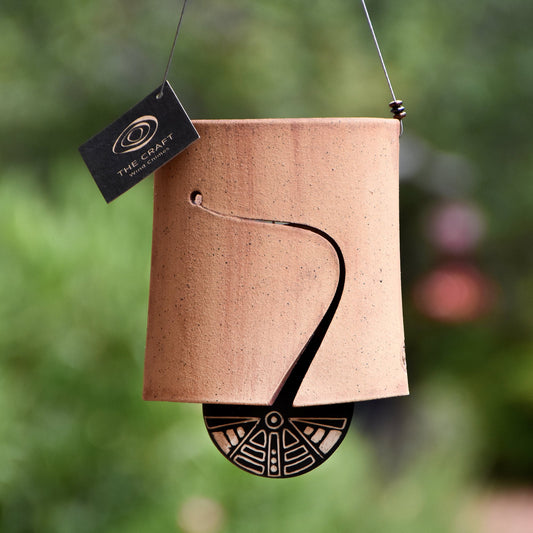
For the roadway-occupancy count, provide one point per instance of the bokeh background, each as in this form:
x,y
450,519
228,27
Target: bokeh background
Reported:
x,y
80,451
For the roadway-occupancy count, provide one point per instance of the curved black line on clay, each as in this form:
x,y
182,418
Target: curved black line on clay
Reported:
x,y
297,373
281,440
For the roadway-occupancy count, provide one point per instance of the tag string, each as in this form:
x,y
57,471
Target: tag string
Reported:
x,y
397,108
171,55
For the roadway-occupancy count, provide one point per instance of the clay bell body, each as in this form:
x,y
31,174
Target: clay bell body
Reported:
x,y
237,288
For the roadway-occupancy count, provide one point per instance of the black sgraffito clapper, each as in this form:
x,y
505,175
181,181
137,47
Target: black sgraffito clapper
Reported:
x,y
143,139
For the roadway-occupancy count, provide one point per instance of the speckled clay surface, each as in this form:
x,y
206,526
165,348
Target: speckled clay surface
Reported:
x,y
233,301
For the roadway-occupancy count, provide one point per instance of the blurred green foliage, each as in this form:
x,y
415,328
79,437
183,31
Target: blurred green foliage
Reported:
x,y
79,450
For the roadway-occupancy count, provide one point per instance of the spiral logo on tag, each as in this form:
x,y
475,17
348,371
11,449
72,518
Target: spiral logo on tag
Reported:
x,y
136,135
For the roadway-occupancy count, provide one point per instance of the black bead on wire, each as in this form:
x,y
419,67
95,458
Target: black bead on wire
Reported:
x,y
397,109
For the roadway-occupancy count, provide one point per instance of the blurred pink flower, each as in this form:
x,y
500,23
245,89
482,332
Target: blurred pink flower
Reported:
x,y
454,292
456,227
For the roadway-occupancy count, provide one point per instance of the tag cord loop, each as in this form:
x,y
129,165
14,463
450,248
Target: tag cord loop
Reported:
x,y
169,62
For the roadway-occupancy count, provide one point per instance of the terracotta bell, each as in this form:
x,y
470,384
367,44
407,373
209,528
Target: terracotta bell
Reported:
x,y
275,295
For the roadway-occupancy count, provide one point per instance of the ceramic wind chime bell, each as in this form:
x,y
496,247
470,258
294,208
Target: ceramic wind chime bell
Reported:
x,y
275,296
275,288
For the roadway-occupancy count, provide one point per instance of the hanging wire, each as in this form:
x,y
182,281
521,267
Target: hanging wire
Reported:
x,y
169,62
397,108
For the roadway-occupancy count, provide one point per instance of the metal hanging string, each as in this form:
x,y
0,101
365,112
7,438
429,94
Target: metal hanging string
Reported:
x,y
397,108
169,62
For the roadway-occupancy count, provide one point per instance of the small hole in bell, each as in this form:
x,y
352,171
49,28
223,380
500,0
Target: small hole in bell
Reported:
x,y
196,198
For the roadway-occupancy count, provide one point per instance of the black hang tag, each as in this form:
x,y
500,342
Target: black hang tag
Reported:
x,y
138,143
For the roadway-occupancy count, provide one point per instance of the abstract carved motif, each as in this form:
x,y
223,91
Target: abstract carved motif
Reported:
x,y
264,442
